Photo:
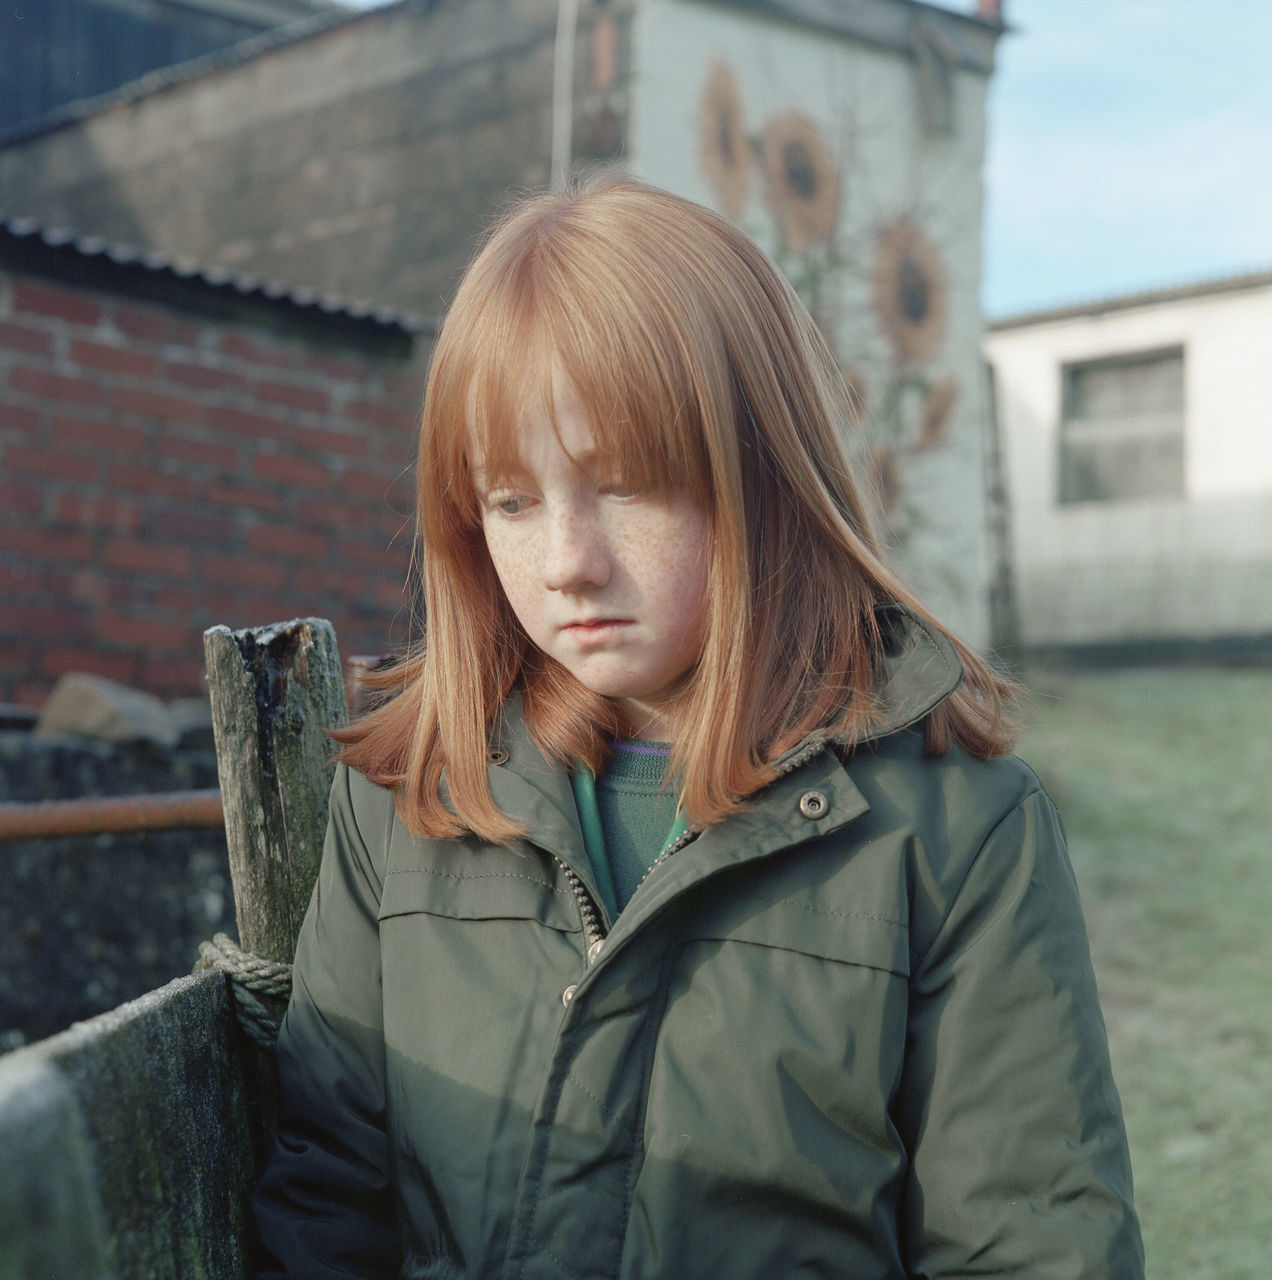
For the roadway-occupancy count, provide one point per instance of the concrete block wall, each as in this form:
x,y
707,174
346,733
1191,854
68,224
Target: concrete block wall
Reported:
x,y
168,465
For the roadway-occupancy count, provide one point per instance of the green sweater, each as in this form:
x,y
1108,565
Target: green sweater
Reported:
x,y
629,815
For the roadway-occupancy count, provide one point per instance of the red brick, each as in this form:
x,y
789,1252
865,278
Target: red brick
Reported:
x,y
99,355
141,633
198,602
237,571
209,377
145,557
48,544
390,595
236,495
115,666
20,337
374,554
290,471
143,479
114,515
90,586
257,350
28,693
251,425
323,513
183,525
17,418
343,369
174,445
364,483
153,404
380,415
156,326
19,500
53,386
49,300
100,433
280,540
342,442
171,676
51,463
293,396
43,620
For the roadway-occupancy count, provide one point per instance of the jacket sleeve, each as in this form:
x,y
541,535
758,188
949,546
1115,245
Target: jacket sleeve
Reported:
x,y
324,1206
1019,1165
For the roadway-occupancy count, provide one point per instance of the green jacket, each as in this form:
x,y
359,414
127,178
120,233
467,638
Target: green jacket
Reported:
x,y
852,1032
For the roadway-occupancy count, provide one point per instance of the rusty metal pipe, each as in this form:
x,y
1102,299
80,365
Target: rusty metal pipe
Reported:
x,y
166,811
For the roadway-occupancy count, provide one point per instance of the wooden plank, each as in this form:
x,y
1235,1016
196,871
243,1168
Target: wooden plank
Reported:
x,y
274,691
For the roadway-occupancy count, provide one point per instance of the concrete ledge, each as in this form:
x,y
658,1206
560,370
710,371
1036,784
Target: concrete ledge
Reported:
x,y
128,1143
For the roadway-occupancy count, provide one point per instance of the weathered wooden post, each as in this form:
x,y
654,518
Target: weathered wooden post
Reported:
x,y
275,690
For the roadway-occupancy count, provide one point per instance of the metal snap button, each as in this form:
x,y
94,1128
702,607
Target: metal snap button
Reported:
x,y
814,804
568,994
497,755
594,951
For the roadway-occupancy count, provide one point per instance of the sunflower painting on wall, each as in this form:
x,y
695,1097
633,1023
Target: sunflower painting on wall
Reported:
x,y
802,186
801,181
723,147
908,286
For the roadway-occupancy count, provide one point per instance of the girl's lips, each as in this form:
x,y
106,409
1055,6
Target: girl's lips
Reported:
x,y
595,630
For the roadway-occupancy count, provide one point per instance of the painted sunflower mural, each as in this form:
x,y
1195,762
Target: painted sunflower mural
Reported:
x,y
908,286
801,180
723,147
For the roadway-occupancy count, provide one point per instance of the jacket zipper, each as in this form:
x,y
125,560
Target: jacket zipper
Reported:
x,y
593,929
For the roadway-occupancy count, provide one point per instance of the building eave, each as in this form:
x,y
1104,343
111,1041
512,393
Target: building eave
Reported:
x,y
19,234
1130,301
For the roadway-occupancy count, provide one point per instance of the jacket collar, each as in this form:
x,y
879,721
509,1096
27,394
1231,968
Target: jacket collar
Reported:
x,y
919,670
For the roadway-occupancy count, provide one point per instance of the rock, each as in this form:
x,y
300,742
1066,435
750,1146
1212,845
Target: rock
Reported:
x,y
95,707
192,718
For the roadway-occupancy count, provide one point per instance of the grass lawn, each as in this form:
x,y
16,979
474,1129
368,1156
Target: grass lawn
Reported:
x,y
1164,779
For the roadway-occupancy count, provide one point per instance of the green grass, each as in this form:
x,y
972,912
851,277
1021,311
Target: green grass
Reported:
x,y
1164,779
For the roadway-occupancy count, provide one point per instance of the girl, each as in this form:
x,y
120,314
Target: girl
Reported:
x,y
683,915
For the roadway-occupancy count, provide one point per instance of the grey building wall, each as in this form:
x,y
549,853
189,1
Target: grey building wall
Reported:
x,y
362,159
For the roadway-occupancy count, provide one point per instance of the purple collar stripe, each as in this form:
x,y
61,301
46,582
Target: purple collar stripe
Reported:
x,y
641,748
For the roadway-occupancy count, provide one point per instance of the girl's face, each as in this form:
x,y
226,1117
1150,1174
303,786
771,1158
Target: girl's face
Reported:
x,y
610,583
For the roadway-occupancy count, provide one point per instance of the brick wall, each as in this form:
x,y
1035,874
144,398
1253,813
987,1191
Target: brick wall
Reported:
x,y
174,461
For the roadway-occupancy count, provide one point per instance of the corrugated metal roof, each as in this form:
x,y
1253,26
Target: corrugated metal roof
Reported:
x,y
182,268
1127,301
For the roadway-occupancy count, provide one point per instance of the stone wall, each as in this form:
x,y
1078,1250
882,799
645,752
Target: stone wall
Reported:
x,y
88,922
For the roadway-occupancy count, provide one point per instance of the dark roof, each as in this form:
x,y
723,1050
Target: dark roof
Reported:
x,y
1127,301
322,20
19,231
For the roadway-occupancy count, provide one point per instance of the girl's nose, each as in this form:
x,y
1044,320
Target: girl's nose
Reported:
x,y
576,556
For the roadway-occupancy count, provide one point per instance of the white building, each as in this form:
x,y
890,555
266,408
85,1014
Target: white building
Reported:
x,y
1137,450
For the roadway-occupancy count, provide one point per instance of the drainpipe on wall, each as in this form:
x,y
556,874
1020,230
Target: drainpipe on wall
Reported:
x,y
563,92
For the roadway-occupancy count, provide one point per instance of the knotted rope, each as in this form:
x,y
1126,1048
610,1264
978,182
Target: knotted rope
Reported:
x,y
261,987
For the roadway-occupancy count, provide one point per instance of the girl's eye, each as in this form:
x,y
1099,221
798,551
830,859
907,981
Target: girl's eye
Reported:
x,y
507,504
620,489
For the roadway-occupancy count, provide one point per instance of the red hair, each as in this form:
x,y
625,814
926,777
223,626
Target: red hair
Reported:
x,y
698,368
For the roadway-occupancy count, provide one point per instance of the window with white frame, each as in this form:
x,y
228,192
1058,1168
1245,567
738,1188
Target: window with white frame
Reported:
x,y
1122,427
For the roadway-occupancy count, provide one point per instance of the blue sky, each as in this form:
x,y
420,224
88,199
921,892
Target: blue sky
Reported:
x,y
1129,147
